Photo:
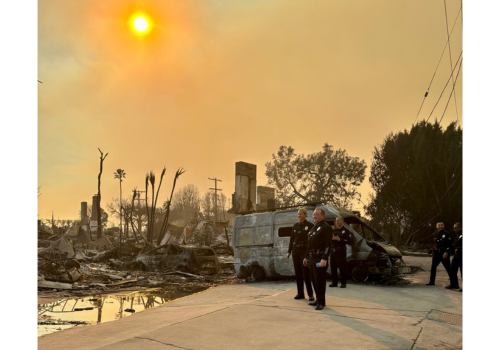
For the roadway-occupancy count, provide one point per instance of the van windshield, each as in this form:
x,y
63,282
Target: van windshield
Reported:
x,y
365,231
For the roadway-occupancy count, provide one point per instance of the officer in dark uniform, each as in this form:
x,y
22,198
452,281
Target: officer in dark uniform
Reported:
x,y
442,252
338,255
456,263
318,249
298,245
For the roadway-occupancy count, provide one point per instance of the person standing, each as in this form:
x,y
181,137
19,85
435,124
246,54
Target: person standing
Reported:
x,y
456,263
338,255
442,252
297,247
318,249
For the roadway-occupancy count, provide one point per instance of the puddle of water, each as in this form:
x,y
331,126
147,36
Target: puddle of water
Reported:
x,y
68,313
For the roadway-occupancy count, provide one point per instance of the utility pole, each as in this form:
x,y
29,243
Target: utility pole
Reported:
x,y
139,221
215,189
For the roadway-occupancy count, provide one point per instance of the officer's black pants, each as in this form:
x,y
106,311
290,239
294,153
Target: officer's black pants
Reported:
x,y
301,271
338,259
456,263
318,277
437,258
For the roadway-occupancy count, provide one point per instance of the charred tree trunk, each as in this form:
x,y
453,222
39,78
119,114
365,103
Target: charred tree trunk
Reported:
x,y
164,226
99,226
155,201
146,200
152,179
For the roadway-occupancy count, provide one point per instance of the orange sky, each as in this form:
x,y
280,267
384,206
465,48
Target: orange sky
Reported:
x,y
222,81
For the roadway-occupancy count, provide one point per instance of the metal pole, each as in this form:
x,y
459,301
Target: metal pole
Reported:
x,y
215,189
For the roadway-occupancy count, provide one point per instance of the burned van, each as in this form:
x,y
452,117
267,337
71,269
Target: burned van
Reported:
x,y
260,242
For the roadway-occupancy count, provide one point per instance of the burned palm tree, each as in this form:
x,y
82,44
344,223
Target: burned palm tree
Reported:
x,y
120,174
151,179
156,201
164,226
151,215
147,209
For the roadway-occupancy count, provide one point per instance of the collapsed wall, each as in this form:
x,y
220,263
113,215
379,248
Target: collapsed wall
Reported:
x,y
247,196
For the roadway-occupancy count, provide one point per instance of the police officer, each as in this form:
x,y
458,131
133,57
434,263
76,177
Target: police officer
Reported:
x,y
456,263
338,255
442,252
318,248
297,247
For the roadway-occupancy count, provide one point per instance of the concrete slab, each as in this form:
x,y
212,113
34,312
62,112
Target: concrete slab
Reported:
x,y
265,315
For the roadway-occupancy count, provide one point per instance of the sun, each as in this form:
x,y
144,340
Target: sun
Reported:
x,y
140,24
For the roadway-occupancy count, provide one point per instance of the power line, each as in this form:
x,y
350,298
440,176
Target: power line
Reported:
x,y
460,59
414,140
439,62
449,50
451,75
452,92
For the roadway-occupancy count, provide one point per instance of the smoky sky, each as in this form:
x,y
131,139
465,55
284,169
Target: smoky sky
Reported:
x,y
222,81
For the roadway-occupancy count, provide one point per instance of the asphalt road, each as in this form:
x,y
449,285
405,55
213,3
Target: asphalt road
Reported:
x,y
265,316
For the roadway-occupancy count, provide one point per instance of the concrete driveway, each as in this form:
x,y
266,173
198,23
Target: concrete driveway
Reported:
x,y
265,316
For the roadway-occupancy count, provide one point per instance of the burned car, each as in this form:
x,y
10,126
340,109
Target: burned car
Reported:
x,y
186,258
260,242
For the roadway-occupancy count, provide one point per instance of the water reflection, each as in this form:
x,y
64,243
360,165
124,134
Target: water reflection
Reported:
x,y
93,310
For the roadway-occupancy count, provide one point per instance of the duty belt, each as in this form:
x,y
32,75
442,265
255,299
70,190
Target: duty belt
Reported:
x,y
300,244
338,249
315,253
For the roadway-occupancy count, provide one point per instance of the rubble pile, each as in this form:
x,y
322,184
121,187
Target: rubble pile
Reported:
x,y
77,267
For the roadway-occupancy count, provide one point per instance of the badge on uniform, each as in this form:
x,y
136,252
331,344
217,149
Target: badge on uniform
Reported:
x,y
443,236
343,231
306,227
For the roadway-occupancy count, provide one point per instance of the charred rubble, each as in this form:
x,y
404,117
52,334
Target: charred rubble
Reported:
x,y
75,262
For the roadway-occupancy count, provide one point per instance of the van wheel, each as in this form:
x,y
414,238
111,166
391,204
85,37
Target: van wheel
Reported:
x,y
359,274
258,273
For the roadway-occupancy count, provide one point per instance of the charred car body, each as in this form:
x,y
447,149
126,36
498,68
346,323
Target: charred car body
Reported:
x,y
186,258
260,242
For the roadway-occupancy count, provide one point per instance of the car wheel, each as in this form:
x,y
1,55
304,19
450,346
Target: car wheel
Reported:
x,y
359,274
258,273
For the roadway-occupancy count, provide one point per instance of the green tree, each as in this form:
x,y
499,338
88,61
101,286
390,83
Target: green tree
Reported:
x,y
329,175
417,179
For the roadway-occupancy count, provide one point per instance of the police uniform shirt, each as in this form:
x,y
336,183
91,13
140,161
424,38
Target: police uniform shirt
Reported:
x,y
319,241
299,233
443,241
344,235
